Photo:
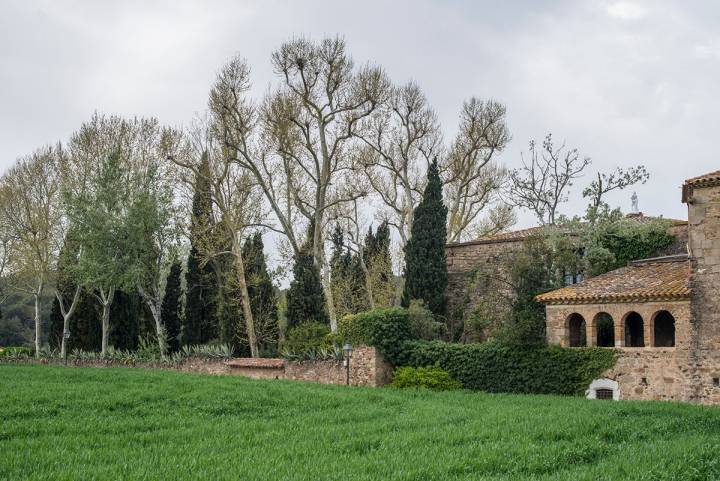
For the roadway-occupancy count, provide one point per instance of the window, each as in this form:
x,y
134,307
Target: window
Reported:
x,y
606,394
605,328
634,330
664,329
576,331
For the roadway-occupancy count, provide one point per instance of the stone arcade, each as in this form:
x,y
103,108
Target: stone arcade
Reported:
x,y
661,314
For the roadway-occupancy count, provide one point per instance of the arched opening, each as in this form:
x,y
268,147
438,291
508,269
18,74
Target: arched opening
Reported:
x,y
664,329
577,333
605,330
634,330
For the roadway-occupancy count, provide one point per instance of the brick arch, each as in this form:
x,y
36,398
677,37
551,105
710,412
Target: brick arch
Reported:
x,y
633,328
662,328
576,330
603,330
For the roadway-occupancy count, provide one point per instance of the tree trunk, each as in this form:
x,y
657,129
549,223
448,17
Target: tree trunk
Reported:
x,y
67,314
155,305
156,311
38,326
327,291
245,298
106,301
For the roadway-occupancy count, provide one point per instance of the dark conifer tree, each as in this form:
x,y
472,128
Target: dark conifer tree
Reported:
x,y
129,318
171,307
305,298
200,323
263,298
425,262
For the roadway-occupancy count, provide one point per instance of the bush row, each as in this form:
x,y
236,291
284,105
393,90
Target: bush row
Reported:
x,y
490,366
494,367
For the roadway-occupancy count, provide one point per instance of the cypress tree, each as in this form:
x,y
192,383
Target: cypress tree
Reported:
x,y
200,323
305,298
379,263
263,298
425,262
128,314
171,307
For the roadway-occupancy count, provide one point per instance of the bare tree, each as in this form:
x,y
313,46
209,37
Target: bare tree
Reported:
x,y
618,179
401,138
236,197
472,177
309,128
29,207
542,183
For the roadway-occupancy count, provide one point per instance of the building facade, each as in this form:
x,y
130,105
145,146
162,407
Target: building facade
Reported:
x,y
662,315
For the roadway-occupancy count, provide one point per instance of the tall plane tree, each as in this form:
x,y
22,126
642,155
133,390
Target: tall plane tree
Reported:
x,y
308,130
29,207
237,200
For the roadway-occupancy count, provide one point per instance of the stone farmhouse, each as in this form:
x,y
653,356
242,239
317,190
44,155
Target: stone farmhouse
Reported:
x,y
662,315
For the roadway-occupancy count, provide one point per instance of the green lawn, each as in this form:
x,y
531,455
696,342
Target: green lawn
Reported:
x,y
100,424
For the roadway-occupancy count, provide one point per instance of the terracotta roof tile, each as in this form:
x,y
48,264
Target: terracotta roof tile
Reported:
x,y
706,180
651,279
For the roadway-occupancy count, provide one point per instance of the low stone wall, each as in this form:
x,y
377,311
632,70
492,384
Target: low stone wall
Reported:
x,y
205,366
367,368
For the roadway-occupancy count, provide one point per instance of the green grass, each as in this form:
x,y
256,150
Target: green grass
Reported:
x,y
61,423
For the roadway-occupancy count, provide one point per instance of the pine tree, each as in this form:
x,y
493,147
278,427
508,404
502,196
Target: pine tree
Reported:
x,y
305,298
200,323
171,307
425,262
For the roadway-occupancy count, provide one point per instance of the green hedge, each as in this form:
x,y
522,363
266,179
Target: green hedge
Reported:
x,y
490,366
386,329
493,367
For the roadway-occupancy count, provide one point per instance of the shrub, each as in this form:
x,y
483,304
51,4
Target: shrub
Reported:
x,y
307,336
386,329
422,322
494,367
433,377
15,352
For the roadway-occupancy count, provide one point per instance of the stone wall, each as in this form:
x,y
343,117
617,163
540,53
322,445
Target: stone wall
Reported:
x,y
558,316
652,373
704,246
464,261
642,373
367,368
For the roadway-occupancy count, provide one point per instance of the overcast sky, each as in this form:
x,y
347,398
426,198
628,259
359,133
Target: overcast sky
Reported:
x,y
626,82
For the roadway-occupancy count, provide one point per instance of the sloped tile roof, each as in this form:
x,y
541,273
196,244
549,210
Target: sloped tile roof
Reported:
x,y
706,180
648,280
522,234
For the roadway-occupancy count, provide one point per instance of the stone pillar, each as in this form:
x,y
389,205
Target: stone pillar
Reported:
x,y
702,196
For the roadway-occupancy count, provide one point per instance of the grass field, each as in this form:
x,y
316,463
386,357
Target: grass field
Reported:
x,y
101,424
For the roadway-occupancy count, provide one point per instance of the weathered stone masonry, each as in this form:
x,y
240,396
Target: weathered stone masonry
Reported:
x,y
672,292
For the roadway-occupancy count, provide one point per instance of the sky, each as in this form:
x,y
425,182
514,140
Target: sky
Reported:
x,y
625,82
